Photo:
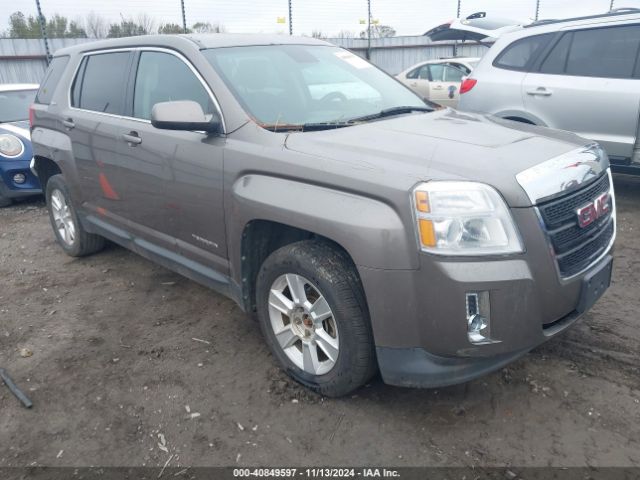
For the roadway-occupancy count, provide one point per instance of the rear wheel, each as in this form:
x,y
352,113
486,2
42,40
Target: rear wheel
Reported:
x,y
314,317
70,234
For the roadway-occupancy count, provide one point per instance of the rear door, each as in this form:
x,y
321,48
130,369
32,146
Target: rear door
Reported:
x,y
499,84
93,122
586,84
444,87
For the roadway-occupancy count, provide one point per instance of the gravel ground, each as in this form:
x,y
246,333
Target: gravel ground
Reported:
x,y
117,376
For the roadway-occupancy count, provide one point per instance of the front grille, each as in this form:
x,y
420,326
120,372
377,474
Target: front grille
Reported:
x,y
576,248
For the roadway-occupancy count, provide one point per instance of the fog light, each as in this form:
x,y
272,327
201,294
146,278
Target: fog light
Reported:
x,y
19,178
478,318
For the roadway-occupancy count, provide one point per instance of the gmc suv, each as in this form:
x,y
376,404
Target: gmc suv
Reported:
x,y
367,231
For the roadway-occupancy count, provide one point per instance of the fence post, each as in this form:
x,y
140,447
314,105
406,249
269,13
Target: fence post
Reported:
x,y
537,10
43,31
455,42
368,29
611,6
290,19
184,17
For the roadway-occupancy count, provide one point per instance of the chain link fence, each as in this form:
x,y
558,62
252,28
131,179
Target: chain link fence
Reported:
x,y
388,32
320,18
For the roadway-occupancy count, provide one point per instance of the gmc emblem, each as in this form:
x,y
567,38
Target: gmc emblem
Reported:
x,y
590,213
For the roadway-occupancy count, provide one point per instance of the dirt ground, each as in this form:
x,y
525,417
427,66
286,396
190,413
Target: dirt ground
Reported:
x,y
116,368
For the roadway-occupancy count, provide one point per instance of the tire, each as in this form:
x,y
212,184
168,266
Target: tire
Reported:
x,y
75,243
5,202
319,270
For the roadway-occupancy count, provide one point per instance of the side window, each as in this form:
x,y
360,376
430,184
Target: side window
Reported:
x,y
437,72
519,54
163,77
414,73
100,83
424,73
464,68
556,61
51,79
604,52
452,74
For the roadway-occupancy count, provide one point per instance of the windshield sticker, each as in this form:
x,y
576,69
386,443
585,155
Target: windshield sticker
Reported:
x,y
353,60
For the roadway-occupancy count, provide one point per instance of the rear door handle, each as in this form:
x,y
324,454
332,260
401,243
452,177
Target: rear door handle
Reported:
x,y
132,138
438,87
68,123
543,92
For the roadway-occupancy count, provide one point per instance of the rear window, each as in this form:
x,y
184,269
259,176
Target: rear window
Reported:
x,y
51,79
520,54
100,83
14,105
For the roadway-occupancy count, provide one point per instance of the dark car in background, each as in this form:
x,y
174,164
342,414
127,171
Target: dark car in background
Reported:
x,y
16,179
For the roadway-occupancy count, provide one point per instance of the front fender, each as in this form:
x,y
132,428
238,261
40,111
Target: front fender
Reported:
x,y
369,230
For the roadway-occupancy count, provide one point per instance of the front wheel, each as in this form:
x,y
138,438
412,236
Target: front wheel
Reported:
x,y
70,234
314,317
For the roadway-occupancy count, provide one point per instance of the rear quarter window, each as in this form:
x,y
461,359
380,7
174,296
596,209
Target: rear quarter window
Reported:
x,y
520,54
51,79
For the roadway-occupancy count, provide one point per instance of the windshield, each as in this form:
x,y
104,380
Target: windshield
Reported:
x,y
297,85
14,105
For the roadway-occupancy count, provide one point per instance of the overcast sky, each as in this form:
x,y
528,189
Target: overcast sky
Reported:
x,y
408,17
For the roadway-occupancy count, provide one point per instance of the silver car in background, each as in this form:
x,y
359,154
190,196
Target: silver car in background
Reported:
x,y
581,75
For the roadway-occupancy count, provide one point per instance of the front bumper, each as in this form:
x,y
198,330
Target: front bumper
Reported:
x,y
419,317
10,189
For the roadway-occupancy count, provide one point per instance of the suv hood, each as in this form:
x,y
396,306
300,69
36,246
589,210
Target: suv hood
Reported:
x,y
445,144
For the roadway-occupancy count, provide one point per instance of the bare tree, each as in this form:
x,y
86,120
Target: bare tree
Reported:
x,y
95,25
345,34
147,23
206,27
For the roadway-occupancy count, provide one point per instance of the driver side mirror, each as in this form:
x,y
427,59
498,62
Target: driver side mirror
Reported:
x,y
184,115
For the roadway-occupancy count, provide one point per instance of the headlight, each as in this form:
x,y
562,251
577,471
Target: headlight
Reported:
x,y
463,218
10,145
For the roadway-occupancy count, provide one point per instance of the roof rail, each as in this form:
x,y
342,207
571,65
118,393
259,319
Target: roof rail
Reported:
x,y
612,13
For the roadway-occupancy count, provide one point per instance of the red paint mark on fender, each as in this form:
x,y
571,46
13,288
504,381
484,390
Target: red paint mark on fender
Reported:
x,y
102,211
107,189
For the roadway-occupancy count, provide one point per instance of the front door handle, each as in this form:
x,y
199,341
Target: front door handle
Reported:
x,y
68,123
132,138
543,92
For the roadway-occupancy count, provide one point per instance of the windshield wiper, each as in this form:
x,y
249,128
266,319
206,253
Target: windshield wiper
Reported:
x,y
310,127
307,127
388,112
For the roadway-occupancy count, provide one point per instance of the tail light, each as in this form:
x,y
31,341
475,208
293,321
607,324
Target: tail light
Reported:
x,y
31,115
467,84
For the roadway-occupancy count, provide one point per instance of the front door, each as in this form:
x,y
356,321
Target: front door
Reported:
x,y
174,178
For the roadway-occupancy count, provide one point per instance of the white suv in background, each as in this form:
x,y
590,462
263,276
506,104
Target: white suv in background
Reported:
x,y
580,74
